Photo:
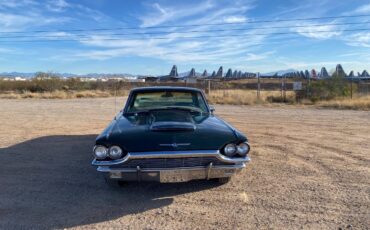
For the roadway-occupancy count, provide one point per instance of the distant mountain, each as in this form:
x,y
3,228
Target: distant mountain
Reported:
x,y
100,75
17,74
67,75
219,74
280,72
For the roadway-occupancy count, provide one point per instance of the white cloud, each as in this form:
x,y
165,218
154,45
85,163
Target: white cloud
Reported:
x,y
362,9
318,31
15,22
163,14
175,47
355,54
359,39
96,15
221,47
159,8
235,19
18,15
16,3
57,5
258,57
219,13
188,50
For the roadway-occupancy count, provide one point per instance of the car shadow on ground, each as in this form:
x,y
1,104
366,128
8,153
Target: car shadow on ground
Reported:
x,y
48,182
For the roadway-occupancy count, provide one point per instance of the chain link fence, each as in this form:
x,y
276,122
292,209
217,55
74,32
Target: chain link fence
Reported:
x,y
270,89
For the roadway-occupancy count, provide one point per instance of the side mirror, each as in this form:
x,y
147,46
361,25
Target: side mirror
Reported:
x,y
117,115
212,108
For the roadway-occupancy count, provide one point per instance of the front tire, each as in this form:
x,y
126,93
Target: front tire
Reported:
x,y
224,180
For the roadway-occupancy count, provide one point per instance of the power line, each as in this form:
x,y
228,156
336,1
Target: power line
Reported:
x,y
191,31
189,25
192,37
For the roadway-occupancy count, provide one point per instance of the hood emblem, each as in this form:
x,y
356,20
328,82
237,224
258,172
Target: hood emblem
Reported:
x,y
175,145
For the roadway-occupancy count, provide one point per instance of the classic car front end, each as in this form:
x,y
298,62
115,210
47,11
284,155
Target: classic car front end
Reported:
x,y
169,134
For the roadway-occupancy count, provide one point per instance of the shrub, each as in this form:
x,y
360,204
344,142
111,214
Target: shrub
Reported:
x,y
328,89
279,99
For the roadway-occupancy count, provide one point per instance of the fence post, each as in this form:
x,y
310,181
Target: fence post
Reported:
x,y
284,88
308,85
258,86
209,87
351,88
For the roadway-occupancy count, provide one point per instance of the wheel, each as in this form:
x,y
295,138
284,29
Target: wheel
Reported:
x,y
224,180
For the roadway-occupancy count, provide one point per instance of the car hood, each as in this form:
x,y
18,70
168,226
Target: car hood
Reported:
x,y
205,132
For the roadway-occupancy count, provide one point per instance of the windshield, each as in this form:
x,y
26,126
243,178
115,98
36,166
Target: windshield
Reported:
x,y
188,100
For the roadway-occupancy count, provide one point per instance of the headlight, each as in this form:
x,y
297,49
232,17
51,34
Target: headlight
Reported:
x,y
230,150
100,152
115,152
243,149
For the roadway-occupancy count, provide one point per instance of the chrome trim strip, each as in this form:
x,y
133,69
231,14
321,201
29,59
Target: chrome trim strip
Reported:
x,y
132,170
175,145
173,154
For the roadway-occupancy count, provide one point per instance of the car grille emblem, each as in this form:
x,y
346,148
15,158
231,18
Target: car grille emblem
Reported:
x,y
175,145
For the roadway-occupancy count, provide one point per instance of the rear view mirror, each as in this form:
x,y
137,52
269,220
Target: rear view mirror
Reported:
x,y
212,108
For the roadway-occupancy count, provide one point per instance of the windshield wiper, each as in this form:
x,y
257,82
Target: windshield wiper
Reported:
x,y
137,112
185,109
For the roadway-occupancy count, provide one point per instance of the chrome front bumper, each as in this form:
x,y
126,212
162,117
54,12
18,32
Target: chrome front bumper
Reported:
x,y
180,174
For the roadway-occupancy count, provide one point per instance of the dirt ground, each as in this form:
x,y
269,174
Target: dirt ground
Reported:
x,y
310,169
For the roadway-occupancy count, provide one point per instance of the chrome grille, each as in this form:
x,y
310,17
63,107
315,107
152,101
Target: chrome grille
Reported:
x,y
172,162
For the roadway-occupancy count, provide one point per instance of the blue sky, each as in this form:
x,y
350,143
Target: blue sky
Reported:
x,y
254,49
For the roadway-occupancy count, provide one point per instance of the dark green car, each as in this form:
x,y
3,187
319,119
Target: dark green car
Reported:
x,y
169,134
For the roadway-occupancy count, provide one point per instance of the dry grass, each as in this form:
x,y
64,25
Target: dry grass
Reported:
x,y
249,97
224,97
246,97
357,103
58,94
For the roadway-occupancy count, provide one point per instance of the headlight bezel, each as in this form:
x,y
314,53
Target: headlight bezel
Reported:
x,y
230,153
116,147
103,156
237,152
241,152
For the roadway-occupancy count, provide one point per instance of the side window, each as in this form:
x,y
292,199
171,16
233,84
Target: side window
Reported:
x,y
132,102
201,102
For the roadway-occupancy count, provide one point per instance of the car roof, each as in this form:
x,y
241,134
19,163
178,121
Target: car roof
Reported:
x,y
161,88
